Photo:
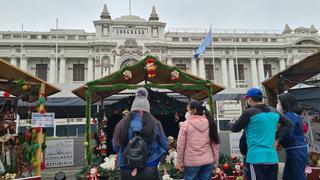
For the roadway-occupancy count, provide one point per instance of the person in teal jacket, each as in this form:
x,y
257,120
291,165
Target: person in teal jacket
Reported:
x,y
260,122
294,141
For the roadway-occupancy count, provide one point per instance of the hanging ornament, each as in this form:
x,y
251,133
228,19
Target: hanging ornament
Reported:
x,y
94,121
25,87
94,174
127,75
103,150
151,67
104,122
6,95
102,137
175,75
42,111
226,166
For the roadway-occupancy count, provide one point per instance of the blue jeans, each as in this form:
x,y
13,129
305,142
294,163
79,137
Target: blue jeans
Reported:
x,y
198,172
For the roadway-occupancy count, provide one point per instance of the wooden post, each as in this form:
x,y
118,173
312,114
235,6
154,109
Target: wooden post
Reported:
x,y
40,136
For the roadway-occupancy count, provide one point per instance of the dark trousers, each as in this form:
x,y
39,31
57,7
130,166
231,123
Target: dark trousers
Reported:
x,y
296,163
146,173
261,171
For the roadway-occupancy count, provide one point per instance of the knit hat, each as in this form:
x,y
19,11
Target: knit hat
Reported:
x,y
141,102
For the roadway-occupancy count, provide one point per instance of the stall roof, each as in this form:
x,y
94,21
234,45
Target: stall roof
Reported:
x,y
163,76
10,74
293,75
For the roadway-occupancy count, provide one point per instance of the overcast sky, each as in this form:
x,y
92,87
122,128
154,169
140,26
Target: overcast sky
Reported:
x,y
40,15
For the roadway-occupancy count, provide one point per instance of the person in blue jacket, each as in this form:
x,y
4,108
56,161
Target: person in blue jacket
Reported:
x,y
294,141
139,119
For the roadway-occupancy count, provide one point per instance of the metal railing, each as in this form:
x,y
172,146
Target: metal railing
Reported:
x,y
224,31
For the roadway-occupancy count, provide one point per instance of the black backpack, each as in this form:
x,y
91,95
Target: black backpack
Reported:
x,y
136,154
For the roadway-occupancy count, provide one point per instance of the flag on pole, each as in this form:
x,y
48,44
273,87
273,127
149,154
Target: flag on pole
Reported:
x,y
204,44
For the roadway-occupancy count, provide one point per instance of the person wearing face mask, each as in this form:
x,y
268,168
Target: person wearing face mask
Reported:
x,y
293,142
198,143
260,122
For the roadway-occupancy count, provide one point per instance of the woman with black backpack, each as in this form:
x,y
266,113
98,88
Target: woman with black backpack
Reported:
x,y
139,141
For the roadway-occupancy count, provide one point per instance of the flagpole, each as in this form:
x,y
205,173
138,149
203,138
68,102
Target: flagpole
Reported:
x,y
213,62
237,64
56,50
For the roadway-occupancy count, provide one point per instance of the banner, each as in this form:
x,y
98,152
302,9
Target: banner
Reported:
x,y
234,144
43,120
59,153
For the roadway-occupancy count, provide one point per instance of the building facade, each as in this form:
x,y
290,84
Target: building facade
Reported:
x,y
238,59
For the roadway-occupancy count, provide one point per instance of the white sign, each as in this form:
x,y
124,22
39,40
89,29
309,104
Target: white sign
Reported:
x,y
234,144
43,120
59,153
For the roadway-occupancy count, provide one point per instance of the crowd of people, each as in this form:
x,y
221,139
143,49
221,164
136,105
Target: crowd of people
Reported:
x,y
141,143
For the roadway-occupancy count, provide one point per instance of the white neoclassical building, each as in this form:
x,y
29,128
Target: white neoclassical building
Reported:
x,y
239,58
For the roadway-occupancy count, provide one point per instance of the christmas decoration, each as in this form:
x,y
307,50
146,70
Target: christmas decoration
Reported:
x,y
174,75
127,75
6,95
151,67
226,166
94,174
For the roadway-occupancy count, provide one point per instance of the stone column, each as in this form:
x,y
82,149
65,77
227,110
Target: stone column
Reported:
x,y
224,72
24,64
62,72
194,66
254,74
261,70
13,61
90,69
232,76
202,72
52,70
282,64
169,61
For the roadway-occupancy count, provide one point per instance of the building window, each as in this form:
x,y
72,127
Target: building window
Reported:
x,y
71,37
185,39
83,37
209,71
264,39
267,70
183,67
240,69
16,36
244,39
45,37
78,72
41,71
6,36
175,39
33,36
273,40
215,39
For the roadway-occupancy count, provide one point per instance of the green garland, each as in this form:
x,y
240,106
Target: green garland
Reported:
x,y
210,100
88,126
160,66
150,85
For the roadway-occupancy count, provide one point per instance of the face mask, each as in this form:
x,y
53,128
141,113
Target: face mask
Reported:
x,y
187,116
279,108
248,104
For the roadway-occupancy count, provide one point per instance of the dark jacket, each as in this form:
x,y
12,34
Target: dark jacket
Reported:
x,y
295,136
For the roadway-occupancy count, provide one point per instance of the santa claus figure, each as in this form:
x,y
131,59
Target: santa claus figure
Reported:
x,y
151,67
94,174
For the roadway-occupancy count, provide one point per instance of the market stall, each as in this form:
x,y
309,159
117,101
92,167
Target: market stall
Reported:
x,y
149,73
302,72
21,153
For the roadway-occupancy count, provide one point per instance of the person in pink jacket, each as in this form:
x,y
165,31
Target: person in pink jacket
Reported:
x,y
198,144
